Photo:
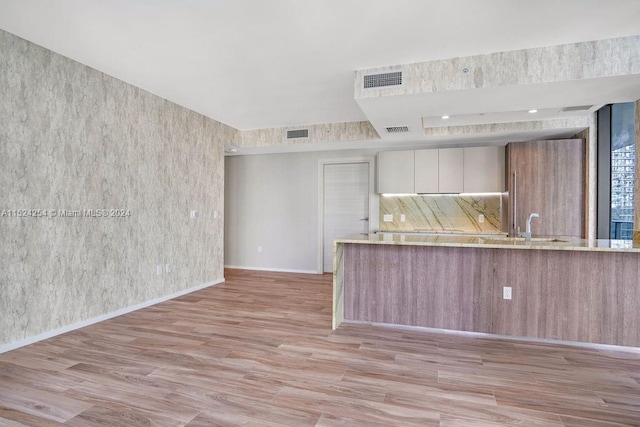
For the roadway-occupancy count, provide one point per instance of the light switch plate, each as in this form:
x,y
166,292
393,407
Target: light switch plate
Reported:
x,y
506,292
387,218
402,218
480,218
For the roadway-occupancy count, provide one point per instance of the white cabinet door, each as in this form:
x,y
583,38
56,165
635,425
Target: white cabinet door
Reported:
x,y
396,172
484,170
451,170
426,171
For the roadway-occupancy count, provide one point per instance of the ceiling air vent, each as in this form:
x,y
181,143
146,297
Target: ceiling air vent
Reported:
x,y
397,129
299,133
380,80
577,108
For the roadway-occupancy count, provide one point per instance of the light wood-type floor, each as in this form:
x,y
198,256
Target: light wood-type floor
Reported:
x,y
259,350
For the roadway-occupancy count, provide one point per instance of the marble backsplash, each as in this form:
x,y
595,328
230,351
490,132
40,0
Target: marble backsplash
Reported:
x,y
440,213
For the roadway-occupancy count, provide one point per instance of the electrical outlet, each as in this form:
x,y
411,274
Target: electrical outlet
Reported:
x,y
402,218
387,218
480,218
506,292
159,269
259,249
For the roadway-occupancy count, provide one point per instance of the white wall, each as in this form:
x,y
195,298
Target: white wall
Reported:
x,y
271,200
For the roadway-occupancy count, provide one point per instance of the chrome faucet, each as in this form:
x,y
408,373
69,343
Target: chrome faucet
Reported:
x,y
527,234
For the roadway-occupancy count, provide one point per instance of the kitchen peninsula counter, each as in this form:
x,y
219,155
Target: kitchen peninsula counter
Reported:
x,y
565,289
492,241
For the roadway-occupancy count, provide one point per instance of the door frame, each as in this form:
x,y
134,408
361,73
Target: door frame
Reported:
x,y
374,201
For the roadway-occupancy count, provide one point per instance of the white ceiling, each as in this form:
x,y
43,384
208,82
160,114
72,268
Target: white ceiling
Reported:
x,y
272,63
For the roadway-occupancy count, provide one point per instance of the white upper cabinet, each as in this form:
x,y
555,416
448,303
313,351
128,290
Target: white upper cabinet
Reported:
x,y
396,172
439,171
451,170
484,170
426,171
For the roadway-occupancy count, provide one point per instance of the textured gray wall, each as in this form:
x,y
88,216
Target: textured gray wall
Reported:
x,y
73,138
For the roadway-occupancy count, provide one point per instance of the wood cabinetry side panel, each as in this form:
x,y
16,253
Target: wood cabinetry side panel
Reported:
x,y
431,287
550,181
574,296
566,295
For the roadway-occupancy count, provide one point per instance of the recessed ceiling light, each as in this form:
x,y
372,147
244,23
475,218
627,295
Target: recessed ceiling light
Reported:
x,y
445,117
533,111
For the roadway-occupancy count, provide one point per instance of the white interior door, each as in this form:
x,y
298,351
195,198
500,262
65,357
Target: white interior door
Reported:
x,y
346,204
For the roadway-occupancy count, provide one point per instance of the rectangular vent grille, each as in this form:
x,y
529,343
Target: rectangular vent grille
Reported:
x,y
577,108
380,80
397,129
299,133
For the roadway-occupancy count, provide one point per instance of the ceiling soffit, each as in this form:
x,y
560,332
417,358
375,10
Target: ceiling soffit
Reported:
x,y
501,88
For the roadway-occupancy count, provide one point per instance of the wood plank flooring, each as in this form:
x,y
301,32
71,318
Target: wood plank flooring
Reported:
x,y
259,350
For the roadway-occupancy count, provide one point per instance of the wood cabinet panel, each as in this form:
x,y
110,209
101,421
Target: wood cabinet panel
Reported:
x,y
438,288
484,169
556,294
568,295
396,172
547,177
426,171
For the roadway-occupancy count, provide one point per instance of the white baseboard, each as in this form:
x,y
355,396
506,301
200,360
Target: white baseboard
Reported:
x,y
498,336
30,340
278,270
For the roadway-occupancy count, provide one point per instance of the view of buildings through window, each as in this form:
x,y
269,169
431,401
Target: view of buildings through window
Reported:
x,y
622,169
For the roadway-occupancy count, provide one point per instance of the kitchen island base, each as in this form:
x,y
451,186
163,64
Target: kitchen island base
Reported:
x,y
569,295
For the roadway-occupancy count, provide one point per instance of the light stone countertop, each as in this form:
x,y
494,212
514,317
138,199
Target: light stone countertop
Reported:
x,y
445,233
493,242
